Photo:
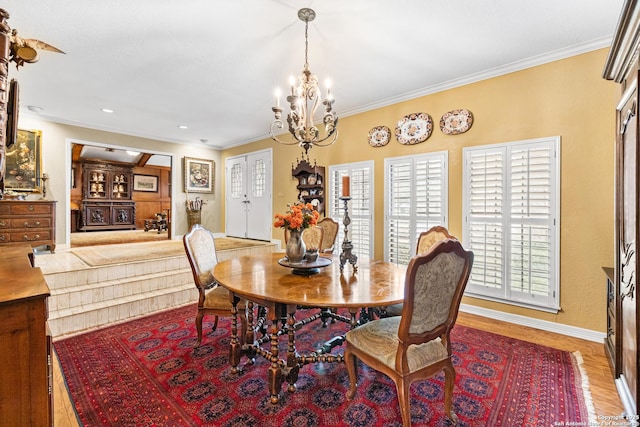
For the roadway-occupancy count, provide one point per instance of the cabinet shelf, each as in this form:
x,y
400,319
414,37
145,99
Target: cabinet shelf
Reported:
x,y
302,173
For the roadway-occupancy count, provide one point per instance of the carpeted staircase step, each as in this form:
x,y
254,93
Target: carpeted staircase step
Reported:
x,y
119,286
83,295
89,275
96,314
90,298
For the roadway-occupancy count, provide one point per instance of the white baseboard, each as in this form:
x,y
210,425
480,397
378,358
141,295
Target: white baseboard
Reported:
x,y
625,396
558,328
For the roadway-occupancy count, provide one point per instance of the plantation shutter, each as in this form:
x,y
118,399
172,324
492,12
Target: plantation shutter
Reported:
x,y
486,194
415,200
531,223
510,206
360,206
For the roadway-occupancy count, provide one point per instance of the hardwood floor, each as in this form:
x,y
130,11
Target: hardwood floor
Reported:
x,y
603,391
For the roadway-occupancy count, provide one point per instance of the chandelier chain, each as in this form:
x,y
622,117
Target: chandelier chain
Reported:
x,y
306,45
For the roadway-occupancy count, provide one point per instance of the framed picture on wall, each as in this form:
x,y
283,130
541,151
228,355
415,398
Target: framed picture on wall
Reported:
x,y
23,162
198,175
145,183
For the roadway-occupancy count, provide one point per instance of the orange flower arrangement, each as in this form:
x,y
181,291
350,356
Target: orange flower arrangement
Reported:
x,y
298,217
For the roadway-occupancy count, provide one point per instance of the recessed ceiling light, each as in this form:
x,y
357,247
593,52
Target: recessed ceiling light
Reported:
x,y
183,127
133,153
107,110
34,108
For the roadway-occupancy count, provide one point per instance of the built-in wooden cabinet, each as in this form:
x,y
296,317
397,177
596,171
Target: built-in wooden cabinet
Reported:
x,y
106,197
623,67
28,221
25,360
310,186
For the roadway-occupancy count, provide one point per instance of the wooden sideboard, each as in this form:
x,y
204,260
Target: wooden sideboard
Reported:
x,y
25,360
28,221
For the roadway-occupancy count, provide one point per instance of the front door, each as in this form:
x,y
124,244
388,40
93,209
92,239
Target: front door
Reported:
x,y
248,195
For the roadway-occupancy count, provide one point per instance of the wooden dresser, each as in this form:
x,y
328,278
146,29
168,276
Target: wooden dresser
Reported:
x,y
25,360
28,221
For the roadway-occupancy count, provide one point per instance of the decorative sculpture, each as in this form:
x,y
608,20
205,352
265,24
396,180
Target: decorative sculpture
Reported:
x,y
24,50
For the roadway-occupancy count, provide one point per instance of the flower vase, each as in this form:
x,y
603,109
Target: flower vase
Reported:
x,y
295,248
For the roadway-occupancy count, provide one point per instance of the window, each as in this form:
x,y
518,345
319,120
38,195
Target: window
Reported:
x,y
360,206
259,178
236,181
511,200
416,199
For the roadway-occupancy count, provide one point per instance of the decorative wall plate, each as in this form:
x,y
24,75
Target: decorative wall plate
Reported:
x,y
414,128
456,122
379,136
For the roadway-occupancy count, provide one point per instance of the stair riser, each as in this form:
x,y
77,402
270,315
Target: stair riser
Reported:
x,y
121,311
80,296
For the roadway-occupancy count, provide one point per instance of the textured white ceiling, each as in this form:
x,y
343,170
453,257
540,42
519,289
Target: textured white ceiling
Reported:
x,y
213,66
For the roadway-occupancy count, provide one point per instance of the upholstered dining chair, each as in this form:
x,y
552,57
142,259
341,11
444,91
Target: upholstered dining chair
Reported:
x,y
426,240
213,299
416,345
330,227
312,237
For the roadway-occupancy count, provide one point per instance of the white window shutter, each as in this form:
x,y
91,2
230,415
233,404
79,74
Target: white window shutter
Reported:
x,y
415,200
510,211
485,232
360,206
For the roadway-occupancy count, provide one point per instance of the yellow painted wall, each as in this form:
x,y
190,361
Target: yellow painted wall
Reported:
x,y
568,98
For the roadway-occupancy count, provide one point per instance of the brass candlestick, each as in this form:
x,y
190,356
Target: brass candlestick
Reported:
x,y
44,179
346,254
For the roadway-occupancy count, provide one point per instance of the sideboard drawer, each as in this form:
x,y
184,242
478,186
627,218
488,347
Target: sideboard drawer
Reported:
x,y
5,209
26,208
29,236
30,223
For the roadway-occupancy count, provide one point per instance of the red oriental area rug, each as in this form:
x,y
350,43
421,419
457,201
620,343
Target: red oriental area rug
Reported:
x,y
147,373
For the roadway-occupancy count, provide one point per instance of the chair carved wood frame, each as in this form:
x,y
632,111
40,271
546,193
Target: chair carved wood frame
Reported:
x,y
426,241
330,227
213,299
416,345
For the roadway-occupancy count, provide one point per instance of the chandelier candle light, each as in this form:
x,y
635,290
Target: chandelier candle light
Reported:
x,y
303,102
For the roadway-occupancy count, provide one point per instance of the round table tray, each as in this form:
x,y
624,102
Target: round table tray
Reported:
x,y
305,268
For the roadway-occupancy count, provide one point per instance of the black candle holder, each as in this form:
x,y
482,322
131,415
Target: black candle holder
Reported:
x,y
346,254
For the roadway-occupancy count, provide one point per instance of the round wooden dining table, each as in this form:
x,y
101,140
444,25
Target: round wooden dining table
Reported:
x,y
278,294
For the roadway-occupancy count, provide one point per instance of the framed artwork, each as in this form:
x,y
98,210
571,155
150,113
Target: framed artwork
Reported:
x,y
24,162
145,183
198,175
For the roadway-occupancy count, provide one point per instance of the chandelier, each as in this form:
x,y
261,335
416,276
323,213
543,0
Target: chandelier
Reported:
x,y
304,100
